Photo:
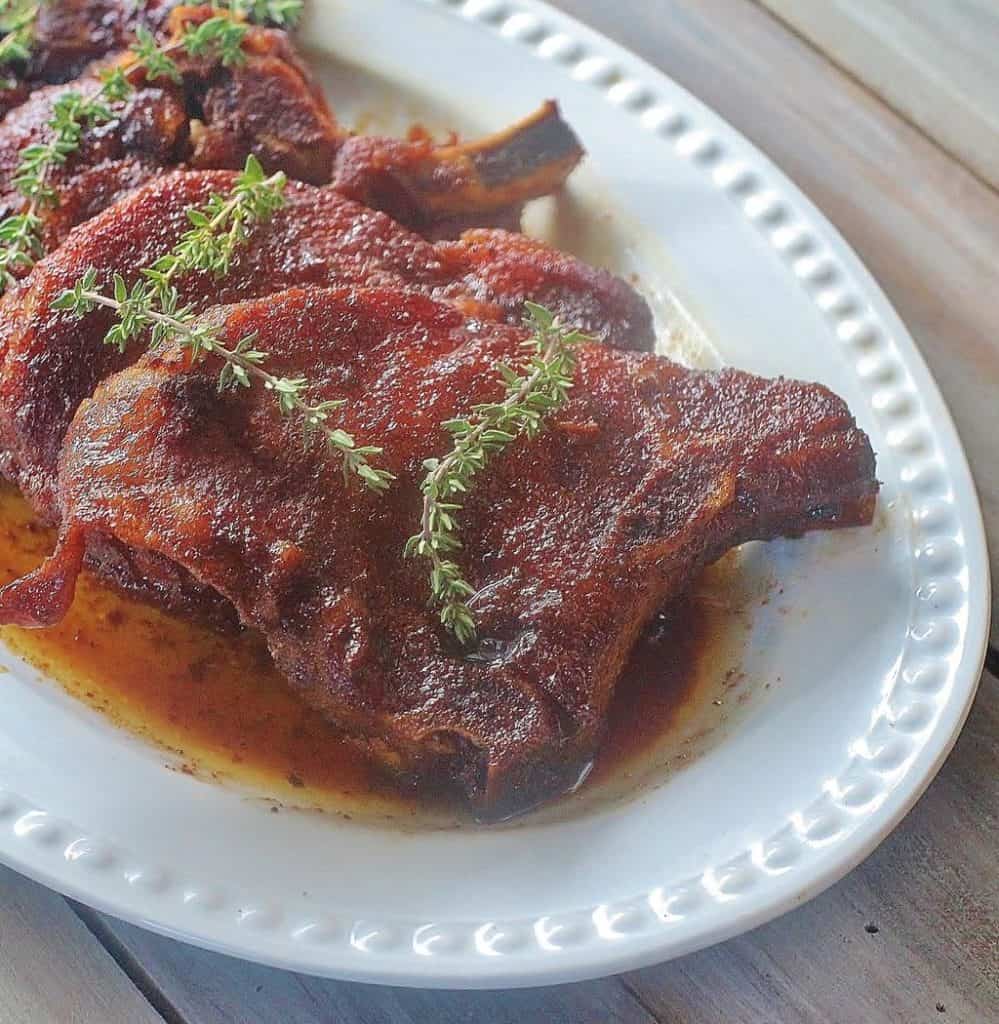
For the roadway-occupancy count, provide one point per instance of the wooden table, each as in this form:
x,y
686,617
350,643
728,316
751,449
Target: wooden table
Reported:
x,y
880,110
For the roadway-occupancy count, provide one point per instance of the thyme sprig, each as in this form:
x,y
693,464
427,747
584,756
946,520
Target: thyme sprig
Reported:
x,y
243,363
221,35
153,305
533,391
224,224
17,23
20,233
218,229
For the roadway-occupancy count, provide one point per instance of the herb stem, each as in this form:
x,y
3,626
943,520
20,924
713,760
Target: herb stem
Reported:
x,y
182,329
541,386
245,364
472,440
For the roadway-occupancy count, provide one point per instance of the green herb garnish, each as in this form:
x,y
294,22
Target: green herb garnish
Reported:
x,y
221,35
17,33
285,13
153,304
533,391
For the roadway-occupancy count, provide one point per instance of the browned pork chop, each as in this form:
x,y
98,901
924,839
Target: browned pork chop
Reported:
x,y
572,540
268,105
49,361
69,34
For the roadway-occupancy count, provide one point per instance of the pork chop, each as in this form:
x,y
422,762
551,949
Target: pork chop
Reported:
x,y
572,540
69,34
267,106
270,106
49,361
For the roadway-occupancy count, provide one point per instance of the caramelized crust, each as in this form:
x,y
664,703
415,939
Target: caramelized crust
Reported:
x,y
269,105
504,268
572,540
151,134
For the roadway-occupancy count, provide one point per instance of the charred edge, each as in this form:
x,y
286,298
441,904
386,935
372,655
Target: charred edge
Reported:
x,y
542,147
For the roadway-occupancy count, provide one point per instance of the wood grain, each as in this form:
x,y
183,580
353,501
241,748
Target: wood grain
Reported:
x,y
52,970
931,891
926,227
934,61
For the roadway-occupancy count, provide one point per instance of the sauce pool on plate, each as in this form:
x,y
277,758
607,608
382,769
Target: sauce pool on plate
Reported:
x,y
221,709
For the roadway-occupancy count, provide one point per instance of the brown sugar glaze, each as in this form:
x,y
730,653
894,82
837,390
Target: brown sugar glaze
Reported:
x,y
219,707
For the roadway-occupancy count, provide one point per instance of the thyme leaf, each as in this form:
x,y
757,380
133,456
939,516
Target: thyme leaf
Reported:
x,y
285,13
534,390
220,36
17,33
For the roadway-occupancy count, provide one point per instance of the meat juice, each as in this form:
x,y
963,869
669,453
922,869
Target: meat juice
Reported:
x,y
217,708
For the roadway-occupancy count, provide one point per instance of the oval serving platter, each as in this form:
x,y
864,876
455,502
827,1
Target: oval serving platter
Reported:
x,y
860,686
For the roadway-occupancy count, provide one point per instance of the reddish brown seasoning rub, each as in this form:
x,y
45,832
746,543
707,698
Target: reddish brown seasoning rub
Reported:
x,y
573,540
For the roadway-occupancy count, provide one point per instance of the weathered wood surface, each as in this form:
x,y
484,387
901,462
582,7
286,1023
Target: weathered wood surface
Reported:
x,y
929,229
52,970
934,61
205,988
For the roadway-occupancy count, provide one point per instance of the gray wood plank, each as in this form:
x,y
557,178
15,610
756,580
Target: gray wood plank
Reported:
x,y
52,970
926,227
207,988
935,61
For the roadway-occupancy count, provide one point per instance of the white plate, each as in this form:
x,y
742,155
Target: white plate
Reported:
x,y
871,677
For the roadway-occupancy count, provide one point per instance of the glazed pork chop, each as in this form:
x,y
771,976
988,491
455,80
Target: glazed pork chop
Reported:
x,y
69,34
50,362
572,540
269,106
